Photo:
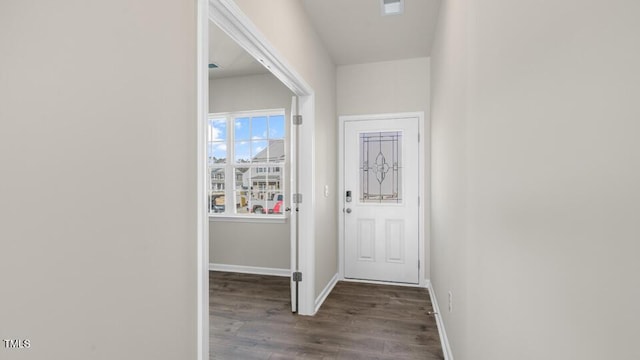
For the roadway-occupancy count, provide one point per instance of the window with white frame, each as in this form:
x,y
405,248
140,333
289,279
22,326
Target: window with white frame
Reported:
x,y
246,161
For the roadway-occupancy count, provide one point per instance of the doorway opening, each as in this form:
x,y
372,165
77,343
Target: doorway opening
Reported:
x,y
228,17
249,151
231,21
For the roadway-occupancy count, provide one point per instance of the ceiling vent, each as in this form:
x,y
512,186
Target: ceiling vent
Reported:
x,y
392,7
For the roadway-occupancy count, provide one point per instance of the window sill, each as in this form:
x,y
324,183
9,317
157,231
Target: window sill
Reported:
x,y
249,219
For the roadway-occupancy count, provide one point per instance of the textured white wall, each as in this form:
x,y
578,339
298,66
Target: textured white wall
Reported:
x,y
98,187
383,87
535,196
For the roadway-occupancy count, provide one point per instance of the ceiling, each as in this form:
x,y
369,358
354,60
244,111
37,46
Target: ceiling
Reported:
x,y
355,32
231,58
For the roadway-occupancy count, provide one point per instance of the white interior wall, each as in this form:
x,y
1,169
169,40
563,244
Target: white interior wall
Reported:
x,y
535,195
449,171
265,245
389,87
98,251
383,87
288,29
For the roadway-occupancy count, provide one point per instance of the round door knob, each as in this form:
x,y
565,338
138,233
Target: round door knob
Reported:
x,y
348,210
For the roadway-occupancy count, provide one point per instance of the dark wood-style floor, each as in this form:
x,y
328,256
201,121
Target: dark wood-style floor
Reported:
x,y
250,318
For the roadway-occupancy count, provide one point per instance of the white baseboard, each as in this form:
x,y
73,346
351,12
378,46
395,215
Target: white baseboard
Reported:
x,y
250,270
378,282
325,292
444,341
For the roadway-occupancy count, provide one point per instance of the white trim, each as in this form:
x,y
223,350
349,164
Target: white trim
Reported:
x,y
444,340
266,219
325,292
422,163
294,146
307,186
250,270
383,283
228,16
425,163
249,113
202,182
232,164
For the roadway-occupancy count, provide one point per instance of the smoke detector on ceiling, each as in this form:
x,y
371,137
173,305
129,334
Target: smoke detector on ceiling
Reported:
x,y
392,7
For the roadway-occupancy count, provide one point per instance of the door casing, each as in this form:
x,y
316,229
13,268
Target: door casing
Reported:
x,y
424,138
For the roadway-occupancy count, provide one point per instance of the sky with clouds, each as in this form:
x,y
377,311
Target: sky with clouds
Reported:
x,y
252,135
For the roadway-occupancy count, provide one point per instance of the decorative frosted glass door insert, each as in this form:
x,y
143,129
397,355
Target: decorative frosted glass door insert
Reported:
x,y
381,167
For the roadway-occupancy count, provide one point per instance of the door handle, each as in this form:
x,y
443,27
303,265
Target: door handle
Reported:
x,y
348,210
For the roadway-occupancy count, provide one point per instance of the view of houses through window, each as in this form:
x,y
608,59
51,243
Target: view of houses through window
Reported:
x,y
246,162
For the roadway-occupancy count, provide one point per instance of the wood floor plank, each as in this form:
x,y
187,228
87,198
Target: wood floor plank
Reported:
x,y
250,318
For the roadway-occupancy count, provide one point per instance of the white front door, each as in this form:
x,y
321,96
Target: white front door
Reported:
x,y
381,199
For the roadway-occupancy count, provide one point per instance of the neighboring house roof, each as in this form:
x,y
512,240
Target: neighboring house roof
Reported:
x,y
272,153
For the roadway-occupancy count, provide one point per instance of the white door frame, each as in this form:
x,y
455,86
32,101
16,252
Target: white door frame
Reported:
x,y
421,218
228,16
202,183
